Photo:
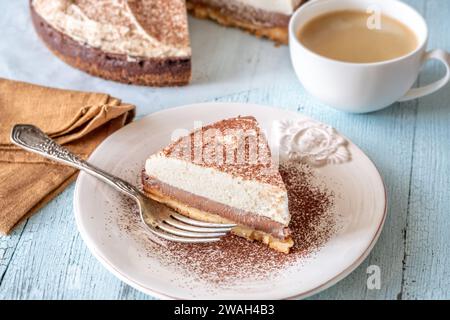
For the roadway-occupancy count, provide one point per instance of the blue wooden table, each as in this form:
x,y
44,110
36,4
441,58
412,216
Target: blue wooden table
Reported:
x,y
45,258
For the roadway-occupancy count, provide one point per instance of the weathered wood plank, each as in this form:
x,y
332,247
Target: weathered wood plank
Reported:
x,y
8,245
427,258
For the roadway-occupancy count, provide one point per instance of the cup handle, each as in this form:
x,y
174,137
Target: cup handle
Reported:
x,y
443,57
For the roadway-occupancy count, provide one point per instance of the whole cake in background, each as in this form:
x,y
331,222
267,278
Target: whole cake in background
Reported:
x,y
142,42
146,42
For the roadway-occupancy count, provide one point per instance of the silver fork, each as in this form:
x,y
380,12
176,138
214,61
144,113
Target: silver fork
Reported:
x,y
161,220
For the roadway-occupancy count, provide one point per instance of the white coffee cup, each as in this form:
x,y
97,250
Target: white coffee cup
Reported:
x,y
363,87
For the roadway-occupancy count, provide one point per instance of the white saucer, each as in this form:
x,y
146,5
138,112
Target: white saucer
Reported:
x,y
360,204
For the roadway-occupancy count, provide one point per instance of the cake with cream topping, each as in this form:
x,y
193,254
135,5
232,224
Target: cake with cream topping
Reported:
x,y
224,173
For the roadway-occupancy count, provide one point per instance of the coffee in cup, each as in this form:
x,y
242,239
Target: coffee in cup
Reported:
x,y
343,73
357,36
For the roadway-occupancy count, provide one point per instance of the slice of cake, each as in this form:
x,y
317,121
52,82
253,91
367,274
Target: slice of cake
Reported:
x,y
132,41
265,18
224,173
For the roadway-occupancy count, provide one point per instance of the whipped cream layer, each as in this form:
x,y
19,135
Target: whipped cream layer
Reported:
x,y
111,26
286,7
248,195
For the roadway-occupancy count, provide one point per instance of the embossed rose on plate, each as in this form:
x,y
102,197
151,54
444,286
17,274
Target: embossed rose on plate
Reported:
x,y
311,142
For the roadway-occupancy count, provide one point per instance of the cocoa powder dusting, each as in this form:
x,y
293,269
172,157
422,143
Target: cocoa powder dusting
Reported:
x,y
233,258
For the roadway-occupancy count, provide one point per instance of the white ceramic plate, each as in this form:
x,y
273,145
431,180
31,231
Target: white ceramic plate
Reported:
x,y
360,204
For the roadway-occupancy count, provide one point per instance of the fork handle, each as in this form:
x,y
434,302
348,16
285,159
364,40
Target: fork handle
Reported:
x,y
31,138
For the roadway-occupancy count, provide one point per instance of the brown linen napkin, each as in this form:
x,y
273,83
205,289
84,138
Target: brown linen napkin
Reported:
x,y
78,120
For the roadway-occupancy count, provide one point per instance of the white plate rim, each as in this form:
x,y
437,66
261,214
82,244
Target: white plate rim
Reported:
x,y
91,246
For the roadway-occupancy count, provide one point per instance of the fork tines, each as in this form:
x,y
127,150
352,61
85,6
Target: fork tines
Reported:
x,y
180,228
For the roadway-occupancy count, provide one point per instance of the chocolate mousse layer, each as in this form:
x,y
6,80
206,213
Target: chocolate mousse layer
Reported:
x,y
241,217
156,71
